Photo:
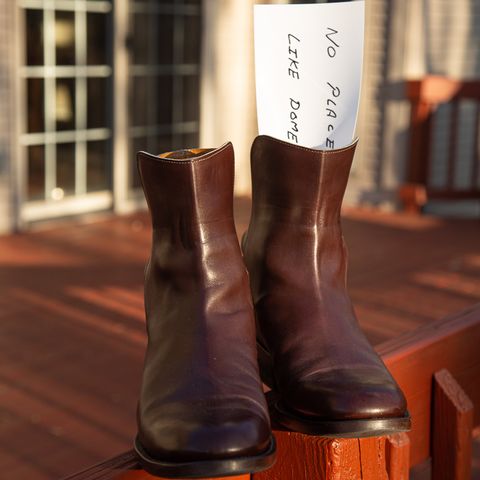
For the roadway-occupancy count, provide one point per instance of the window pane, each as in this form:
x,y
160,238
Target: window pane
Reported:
x,y
140,38
65,37
35,105
66,167
98,166
162,86
178,141
190,140
97,34
65,104
193,36
163,40
163,144
34,43
138,101
36,172
97,102
191,100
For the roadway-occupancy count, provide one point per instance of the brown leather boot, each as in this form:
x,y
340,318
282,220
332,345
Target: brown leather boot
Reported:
x,y
327,378
201,411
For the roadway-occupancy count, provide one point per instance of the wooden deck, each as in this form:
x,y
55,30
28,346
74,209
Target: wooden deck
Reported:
x,y
72,327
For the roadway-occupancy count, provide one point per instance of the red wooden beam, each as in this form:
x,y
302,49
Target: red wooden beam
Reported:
x,y
452,430
436,89
303,457
413,359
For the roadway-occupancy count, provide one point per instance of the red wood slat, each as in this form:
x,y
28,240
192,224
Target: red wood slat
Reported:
x,y
397,456
476,151
452,153
420,142
452,429
425,95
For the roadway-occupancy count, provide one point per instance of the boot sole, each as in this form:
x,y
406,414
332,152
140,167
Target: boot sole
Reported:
x,y
358,428
207,468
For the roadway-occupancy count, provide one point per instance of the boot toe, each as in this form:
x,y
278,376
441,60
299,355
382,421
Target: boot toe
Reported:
x,y
348,394
186,439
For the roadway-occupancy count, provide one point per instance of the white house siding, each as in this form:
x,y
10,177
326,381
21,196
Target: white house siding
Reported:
x,y
379,160
228,108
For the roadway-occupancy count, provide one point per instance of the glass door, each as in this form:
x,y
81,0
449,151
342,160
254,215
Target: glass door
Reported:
x,y
66,135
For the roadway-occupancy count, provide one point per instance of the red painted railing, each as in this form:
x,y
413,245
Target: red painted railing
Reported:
x,y
425,96
438,367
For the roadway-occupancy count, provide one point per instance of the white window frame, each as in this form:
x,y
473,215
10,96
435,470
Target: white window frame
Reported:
x,y
81,201
121,199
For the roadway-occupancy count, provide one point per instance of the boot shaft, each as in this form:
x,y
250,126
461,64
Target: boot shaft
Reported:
x,y
194,244
296,184
190,192
295,231
312,351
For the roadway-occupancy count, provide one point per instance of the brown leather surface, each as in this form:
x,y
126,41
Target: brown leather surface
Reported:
x,y
201,396
324,367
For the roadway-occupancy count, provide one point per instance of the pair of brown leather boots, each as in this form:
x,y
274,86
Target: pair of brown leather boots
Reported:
x,y
202,411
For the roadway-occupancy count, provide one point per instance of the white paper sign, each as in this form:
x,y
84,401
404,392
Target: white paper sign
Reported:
x,y
308,61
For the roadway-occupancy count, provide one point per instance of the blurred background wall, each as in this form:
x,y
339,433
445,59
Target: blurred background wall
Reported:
x,y
84,84
7,131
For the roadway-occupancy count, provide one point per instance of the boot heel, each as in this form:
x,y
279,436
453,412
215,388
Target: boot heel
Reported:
x,y
265,364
